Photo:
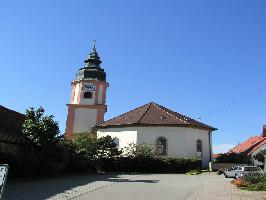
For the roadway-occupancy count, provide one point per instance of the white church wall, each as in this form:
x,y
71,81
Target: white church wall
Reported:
x,y
88,101
84,120
125,135
181,141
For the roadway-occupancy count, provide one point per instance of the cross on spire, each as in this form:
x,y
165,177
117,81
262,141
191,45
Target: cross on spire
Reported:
x,y
94,43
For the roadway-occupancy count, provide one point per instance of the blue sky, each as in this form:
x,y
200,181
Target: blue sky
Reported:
x,y
193,57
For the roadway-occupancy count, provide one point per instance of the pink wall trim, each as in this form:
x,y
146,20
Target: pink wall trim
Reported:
x,y
100,115
72,93
91,81
79,93
70,122
104,94
87,106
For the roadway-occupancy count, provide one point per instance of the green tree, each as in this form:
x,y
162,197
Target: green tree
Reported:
x,y
107,148
141,150
260,155
85,146
47,148
233,158
41,130
94,149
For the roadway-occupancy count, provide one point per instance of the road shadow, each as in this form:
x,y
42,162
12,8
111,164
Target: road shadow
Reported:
x,y
49,187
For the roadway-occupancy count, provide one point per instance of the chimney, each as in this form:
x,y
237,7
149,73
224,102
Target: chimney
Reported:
x,y
264,131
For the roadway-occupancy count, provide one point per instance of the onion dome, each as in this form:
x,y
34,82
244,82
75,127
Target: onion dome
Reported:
x,y
92,68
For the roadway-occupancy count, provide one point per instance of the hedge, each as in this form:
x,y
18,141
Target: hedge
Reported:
x,y
150,164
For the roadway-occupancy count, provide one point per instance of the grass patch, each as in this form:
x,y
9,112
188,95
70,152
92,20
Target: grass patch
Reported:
x,y
193,172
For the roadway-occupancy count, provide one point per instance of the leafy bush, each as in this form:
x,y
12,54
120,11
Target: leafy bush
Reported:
x,y
253,182
155,165
95,148
233,158
260,156
20,166
45,154
39,129
99,151
141,150
256,178
261,186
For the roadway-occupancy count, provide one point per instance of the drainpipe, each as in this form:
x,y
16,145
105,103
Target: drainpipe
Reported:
x,y
264,168
210,145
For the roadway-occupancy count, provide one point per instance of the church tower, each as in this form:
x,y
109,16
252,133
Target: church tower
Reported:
x,y
87,104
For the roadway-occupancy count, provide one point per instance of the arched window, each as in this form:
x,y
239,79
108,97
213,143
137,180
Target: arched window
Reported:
x,y
116,141
87,95
199,148
161,146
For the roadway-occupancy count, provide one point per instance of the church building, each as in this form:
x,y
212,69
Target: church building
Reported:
x,y
170,133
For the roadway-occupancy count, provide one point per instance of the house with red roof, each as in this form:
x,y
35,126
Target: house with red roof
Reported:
x,y
11,138
251,146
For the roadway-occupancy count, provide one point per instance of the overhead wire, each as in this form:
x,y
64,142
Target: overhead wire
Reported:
x,y
232,103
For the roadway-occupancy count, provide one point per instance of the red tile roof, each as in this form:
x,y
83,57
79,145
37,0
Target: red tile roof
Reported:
x,y
249,146
152,114
11,126
214,156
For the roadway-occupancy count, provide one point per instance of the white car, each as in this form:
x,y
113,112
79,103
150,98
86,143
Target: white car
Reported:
x,y
232,172
249,170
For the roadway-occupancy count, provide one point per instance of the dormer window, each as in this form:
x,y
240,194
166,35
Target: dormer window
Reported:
x,y
87,95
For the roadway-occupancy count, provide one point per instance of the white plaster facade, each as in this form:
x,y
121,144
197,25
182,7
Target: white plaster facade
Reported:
x,y
181,141
84,120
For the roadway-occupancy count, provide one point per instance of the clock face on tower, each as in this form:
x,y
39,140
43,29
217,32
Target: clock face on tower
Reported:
x,y
88,86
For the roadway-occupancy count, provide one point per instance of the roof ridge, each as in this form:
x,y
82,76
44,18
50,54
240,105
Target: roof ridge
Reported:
x,y
253,143
258,145
141,116
165,109
11,110
123,114
188,118
145,111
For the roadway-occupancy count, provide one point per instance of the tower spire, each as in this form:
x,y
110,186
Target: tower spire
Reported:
x,y
94,44
93,61
92,68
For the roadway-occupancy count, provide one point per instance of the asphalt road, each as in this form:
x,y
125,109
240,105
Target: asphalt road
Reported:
x,y
207,186
159,186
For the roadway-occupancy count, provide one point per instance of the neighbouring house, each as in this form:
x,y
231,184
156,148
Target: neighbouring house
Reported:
x,y
215,156
11,138
172,134
252,146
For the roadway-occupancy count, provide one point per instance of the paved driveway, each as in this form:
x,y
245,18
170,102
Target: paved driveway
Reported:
x,y
134,187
